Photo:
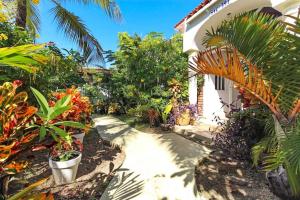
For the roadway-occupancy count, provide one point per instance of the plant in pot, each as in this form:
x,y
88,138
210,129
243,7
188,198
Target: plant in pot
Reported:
x,y
185,114
63,160
165,114
80,111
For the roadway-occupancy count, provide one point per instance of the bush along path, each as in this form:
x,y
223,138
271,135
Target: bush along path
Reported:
x,y
156,166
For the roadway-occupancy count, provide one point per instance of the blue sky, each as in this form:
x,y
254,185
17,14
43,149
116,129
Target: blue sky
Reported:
x,y
140,16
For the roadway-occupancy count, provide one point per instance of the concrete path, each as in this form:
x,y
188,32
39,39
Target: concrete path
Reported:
x,y
156,167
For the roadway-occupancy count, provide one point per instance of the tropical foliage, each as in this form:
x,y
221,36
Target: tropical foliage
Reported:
x,y
142,69
80,107
61,70
49,122
24,57
12,35
29,193
262,58
15,116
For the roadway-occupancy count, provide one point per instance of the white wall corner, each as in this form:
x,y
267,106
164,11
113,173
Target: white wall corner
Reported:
x,y
193,87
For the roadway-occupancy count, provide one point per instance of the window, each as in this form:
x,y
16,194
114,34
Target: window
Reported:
x,y
219,83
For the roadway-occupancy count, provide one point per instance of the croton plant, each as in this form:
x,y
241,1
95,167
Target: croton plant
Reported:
x,y
15,116
21,125
80,107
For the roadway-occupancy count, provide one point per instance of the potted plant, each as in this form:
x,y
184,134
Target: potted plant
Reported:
x,y
185,114
63,160
80,111
165,114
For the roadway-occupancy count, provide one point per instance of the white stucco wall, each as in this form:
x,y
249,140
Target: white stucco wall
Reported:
x,y
212,98
192,82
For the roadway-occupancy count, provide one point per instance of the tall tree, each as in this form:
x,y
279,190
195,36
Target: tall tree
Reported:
x,y
73,27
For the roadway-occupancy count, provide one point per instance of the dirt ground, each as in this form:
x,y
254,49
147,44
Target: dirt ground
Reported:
x,y
99,161
220,177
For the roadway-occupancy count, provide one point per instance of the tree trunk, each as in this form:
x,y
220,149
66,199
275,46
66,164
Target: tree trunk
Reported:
x,y
21,13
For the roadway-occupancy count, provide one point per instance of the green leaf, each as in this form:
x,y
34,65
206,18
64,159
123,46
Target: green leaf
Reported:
x,y
70,124
57,111
42,132
63,101
63,134
44,106
54,137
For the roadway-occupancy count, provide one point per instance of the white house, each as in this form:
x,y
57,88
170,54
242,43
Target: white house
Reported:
x,y
210,13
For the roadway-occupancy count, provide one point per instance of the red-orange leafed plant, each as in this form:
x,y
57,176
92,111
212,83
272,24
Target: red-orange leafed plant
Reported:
x,y
15,116
81,107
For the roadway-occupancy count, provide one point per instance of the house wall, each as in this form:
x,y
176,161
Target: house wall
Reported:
x,y
193,89
212,99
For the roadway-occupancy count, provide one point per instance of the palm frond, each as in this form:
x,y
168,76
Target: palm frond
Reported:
x,y
76,30
250,33
294,179
292,146
264,42
110,7
288,155
266,144
227,63
33,17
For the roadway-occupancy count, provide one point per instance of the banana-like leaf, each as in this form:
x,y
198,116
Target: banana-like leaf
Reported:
x,y
70,124
56,111
24,57
44,106
63,134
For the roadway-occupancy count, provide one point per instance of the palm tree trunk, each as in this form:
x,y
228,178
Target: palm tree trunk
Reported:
x,y
21,13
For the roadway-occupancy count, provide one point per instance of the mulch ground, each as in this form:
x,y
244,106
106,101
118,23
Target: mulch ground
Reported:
x,y
97,167
220,177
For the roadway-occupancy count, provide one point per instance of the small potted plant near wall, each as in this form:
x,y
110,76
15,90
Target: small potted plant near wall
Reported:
x,y
80,111
63,159
185,114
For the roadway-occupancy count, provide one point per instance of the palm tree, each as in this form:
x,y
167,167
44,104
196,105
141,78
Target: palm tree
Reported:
x,y
27,16
261,55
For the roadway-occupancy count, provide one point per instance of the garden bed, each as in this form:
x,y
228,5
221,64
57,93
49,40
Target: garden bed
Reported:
x,y
220,177
99,161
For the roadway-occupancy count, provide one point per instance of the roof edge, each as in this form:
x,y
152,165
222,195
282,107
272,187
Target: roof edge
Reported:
x,y
193,12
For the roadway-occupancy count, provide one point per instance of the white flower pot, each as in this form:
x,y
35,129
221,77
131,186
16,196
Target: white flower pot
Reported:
x,y
79,136
64,171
